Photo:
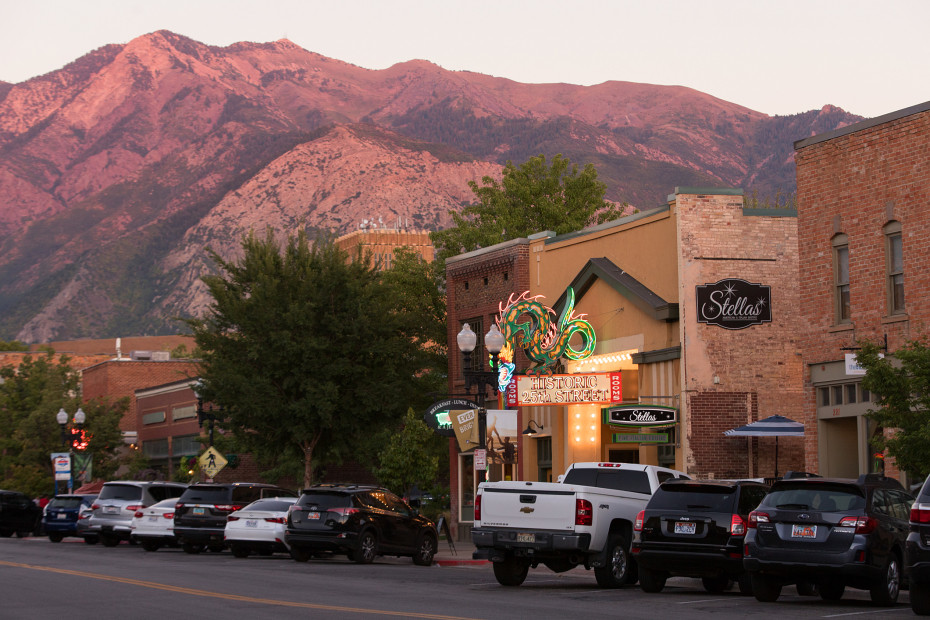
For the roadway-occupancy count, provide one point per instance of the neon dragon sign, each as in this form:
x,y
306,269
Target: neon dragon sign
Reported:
x,y
532,326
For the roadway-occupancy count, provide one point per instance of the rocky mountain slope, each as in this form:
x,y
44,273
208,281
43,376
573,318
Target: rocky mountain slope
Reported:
x,y
118,169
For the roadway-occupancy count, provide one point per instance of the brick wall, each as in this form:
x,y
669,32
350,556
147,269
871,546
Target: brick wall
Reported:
x,y
855,183
733,377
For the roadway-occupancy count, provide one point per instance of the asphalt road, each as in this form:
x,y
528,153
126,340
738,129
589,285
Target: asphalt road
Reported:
x,y
70,580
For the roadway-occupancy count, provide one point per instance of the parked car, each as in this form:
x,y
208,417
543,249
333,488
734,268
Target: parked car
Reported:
x,y
62,513
201,511
361,521
918,552
695,528
82,529
153,527
117,503
259,527
18,514
833,532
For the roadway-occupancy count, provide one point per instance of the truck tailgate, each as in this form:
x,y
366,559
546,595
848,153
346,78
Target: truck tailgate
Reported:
x,y
542,506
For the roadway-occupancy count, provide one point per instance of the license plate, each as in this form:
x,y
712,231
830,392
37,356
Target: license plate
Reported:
x,y
61,515
526,538
803,531
685,527
153,518
111,510
251,523
313,515
198,512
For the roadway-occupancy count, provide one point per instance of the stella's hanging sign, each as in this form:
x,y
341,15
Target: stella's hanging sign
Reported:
x,y
734,304
640,415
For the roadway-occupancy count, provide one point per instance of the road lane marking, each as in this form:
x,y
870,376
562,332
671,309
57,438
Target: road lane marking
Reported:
x,y
229,597
871,611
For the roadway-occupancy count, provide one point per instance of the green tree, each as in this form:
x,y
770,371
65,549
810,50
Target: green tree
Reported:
x,y
13,345
412,457
30,396
901,384
531,198
305,352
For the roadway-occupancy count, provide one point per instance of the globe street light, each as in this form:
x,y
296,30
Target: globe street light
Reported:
x,y
481,379
69,436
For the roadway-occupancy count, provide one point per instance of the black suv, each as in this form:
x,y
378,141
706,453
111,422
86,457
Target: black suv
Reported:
x,y
361,521
201,511
918,552
695,528
833,532
18,514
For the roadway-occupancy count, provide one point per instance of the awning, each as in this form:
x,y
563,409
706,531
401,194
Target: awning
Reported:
x,y
773,426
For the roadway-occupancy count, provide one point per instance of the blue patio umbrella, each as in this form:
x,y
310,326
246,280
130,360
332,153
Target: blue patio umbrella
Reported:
x,y
773,426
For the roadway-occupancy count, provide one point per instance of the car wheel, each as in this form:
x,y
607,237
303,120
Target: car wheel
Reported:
x,y
716,585
618,570
766,589
831,590
192,548
651,580
806,588
426,549
90,540
511,572
745,584
885,592
367,548
109,541
56,538
300,555
920,598
150,545
239,551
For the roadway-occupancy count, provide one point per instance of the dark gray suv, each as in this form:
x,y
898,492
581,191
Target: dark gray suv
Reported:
x,y
833,532
117,504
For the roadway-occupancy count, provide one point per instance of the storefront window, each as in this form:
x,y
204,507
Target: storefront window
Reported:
x,y
468,489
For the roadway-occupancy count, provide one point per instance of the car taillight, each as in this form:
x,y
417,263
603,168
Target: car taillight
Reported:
x,y
756,517
920,513
168,515
275,519
638,524
178,506
584,512
478,508
737,526
863,525
228,507
135,507
138,514
232,518
95,506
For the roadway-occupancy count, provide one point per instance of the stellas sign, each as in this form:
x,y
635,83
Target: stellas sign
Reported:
x,y
640,415
734,303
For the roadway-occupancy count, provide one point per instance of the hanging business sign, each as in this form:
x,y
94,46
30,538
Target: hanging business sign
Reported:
x,y
734,304
639,438
61,463
579,389
640,415
439,415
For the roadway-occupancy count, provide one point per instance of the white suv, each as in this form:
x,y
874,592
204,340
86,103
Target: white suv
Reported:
x,y
117,504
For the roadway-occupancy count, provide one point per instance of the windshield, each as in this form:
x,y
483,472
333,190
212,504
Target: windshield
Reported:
x,y
689,497
326,501
271,505
129,492
65,502
206,495
820,496
618,479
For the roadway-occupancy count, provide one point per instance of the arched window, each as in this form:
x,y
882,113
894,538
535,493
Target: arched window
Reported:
x,y
894,268
841,304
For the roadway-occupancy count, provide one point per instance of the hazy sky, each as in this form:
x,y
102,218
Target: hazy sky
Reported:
x,y
774,56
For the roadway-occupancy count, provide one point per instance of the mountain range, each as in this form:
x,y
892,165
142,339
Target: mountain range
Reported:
x,y
118,170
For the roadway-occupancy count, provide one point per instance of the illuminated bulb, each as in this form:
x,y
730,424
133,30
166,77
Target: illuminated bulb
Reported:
x,y
577,415
592,440
577,439
592,427
578,428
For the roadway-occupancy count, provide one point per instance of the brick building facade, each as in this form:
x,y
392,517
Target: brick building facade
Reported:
x,y
863,196
638,281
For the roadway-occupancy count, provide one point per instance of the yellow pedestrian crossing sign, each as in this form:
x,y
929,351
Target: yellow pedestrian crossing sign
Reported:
x,y
211,462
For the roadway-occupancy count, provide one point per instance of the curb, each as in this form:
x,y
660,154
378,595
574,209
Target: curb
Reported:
x,y
461,562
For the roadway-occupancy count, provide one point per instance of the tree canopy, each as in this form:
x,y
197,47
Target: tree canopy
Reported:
x,y
30,396
530,198
309,354
412,457
901,384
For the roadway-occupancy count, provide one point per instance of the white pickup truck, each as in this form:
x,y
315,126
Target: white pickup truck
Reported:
x,y
584,519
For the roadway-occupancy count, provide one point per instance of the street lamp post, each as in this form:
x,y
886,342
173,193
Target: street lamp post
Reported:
x,y
69,436
482,379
